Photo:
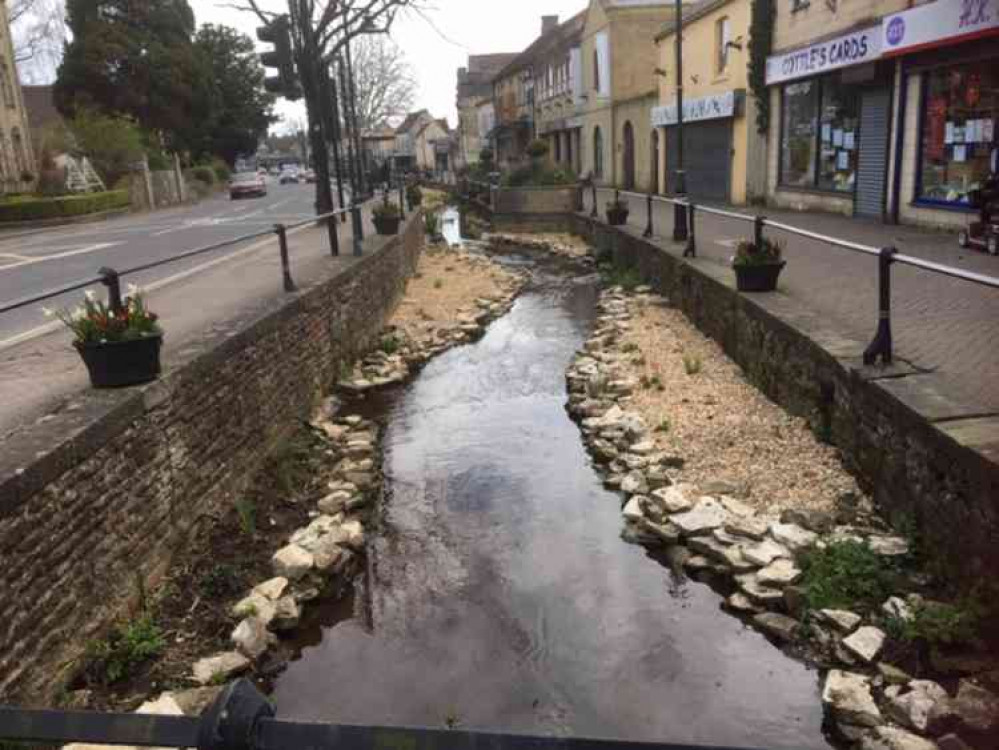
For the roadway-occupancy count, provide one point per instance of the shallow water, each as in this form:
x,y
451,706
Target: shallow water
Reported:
x,y
499,593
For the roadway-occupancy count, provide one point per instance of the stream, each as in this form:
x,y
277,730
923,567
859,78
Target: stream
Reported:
x,y
499,593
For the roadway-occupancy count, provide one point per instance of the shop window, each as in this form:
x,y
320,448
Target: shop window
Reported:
x,y
819,135
960,120
722,38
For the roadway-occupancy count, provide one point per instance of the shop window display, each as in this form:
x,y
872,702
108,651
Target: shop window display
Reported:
x,y
960,120
820,135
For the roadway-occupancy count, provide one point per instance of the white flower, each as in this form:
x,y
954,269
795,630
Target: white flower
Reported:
x,y
91,295
79,313
48,312
134,290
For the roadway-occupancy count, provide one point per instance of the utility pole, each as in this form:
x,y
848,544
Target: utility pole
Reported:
x,y
351,95
679,210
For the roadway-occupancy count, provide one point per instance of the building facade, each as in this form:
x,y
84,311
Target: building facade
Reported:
x,y
18,169
724,153
884,110
558,91
619,59
475,90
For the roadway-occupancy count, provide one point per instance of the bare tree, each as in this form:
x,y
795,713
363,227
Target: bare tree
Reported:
x,y
385,83
38,29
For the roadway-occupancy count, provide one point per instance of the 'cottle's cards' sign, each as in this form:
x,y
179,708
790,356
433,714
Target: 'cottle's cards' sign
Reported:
x,y
816,59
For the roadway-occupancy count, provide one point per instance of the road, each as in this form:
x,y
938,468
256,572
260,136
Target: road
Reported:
x,y
196,298
31,263
947,328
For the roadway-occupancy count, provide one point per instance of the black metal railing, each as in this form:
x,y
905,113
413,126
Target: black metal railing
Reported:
x,y
881,345
241,718
111,278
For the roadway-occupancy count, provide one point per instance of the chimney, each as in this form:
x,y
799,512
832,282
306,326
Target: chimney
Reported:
x,y
548,23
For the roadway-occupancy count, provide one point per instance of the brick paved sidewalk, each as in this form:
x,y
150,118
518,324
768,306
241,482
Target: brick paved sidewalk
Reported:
x,y
946,327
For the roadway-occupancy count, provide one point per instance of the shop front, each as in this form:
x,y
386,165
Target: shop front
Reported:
x,y
949,53
709,145
831,106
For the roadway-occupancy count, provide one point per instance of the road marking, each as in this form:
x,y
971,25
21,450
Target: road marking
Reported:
x,y
47,328
11,256
731,244
58,256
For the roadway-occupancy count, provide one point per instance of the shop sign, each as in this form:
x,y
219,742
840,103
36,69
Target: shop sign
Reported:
x,y
939,23
849,49
704,108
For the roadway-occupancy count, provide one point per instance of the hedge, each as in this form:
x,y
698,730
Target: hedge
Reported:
x,y
33,208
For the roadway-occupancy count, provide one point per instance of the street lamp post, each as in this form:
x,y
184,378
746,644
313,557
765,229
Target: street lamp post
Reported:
x,y
679,209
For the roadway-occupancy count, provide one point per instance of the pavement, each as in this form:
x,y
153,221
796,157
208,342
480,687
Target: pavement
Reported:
x,y
39,371
945,327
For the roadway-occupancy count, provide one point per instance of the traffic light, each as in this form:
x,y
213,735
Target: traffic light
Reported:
x,y
285,83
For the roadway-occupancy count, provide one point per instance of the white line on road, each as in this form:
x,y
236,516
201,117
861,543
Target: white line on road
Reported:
x,y
47,328
58,256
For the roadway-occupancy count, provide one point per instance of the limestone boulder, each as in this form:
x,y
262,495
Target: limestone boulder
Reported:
x,y
219,667
292,562
866,643
848,697
893,738
707,515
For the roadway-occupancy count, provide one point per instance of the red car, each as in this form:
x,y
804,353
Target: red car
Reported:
x,y
247,184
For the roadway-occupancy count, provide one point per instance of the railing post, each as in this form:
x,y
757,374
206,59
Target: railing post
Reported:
x,y
758,223
690,251
358,226
593,211
111,279
331,228
648,209
402,200
282,233
881,346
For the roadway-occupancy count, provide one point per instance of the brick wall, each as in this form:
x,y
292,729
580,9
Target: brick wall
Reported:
x,y
942,478
106,493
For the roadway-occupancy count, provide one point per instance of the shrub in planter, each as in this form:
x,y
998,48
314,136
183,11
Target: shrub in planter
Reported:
x,y
386,217
414,195
617,212
538,149
757,266
119,347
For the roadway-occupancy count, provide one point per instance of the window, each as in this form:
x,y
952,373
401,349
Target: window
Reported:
x,y
5,86
819,135
797,5
20,156
598,154
960,120
596,70
723,30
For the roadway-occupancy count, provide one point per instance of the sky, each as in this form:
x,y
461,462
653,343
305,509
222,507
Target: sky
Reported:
x,y
436,44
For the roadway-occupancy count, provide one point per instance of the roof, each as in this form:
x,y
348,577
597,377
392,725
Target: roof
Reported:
x,y
41,107
411,119
691,12
567,33
477,78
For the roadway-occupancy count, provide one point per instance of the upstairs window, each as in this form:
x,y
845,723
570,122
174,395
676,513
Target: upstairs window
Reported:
x,y
723,35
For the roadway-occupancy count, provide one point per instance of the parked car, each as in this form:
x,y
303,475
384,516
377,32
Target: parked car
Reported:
x,y
289,178
245,184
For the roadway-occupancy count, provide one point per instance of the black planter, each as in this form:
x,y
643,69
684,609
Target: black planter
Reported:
x,y
387,224
617,217
759,277
120,363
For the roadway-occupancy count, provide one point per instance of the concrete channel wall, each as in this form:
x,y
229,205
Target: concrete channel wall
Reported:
x,y
95,501
931,474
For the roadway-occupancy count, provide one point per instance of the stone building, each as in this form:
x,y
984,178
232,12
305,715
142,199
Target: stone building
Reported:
x,y
619,59
724,153
17,161
559,92
475,102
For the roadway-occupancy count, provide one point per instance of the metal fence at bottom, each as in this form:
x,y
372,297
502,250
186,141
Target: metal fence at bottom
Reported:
x,y
243,719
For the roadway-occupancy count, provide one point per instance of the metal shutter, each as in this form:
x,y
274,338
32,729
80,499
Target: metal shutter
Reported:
x,y
872,166
707,157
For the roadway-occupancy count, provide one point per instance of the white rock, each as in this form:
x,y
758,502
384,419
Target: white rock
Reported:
x,y
643,448
915,708
781,627
792,536
976,707
634,484
893,738
255,605
848,697
251,637
354,534
667,532
781,572
333,503
632,510
757,592
897,608
765,552
292,562
272,589
841,619
706,516
866,643
327,555
288,614
220,666
888,546
736,507
672,499
748,526
739,602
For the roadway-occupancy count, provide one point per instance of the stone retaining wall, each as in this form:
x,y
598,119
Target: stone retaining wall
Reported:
x,y
938,477
95,501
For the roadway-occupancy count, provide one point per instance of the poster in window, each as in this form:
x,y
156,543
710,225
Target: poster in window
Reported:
x,y
826,133
960,153
959,133
843,160
838,138
849,142
949,134
988,132
936,123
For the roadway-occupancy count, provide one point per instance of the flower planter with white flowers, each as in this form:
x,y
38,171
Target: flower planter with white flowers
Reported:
x,y
119,347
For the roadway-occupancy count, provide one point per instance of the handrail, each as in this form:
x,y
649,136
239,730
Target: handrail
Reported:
x,y
881,346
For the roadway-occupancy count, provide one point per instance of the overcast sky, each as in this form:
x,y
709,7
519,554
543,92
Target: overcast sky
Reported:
x,y
437,45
